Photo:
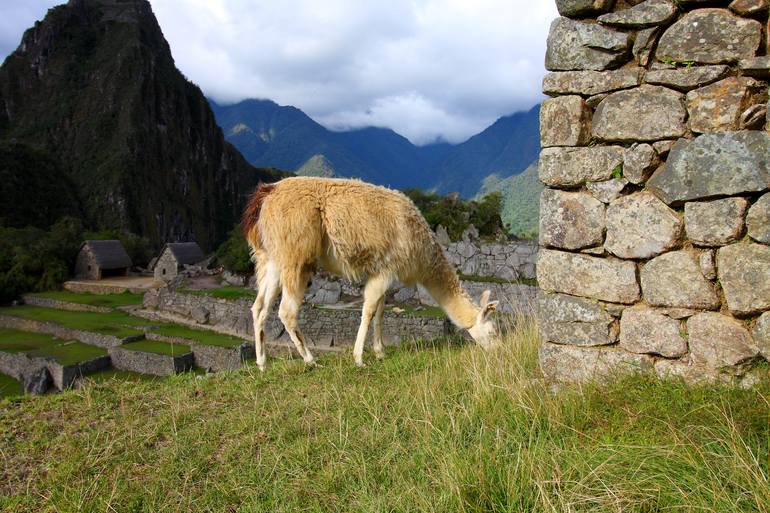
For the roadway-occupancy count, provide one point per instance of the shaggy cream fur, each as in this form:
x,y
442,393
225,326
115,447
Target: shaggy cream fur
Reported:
x,y
360,231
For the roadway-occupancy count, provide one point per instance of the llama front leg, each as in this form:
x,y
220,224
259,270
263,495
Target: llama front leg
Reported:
x,y
373,292
268,290
379,351
293,294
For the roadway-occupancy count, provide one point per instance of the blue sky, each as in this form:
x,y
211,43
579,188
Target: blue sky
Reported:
x,y
426,68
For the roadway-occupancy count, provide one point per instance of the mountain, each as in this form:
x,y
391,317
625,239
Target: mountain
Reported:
x,y
270,135
285,137
505,148
521,200
93,92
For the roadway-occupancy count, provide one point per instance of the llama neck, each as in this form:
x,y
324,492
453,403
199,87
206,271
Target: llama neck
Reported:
x,y
444,286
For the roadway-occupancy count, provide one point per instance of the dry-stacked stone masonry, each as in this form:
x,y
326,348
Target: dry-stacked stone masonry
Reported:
x,y
655,226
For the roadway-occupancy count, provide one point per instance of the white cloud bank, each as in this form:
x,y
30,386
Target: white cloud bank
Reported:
x,y
427,69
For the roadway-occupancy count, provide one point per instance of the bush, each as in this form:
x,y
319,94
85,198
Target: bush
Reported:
x,y
233,254
33,259
457,215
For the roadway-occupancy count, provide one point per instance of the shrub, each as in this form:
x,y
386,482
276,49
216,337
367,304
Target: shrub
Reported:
x,y
233,254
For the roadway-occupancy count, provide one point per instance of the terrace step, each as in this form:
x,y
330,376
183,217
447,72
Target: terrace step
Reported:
x,y
33,300
51,328
211,357
138,359
65,361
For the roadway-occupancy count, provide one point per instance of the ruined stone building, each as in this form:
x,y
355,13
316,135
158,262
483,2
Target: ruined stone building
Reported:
x,y
175,256
99,259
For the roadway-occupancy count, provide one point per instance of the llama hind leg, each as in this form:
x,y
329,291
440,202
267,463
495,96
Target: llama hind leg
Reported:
x,y
268,290
373,292
379,351
293,293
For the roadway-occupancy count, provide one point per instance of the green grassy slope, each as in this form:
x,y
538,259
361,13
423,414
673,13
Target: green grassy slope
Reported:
x,y
106,300
66,352
116,323
521,200
436,429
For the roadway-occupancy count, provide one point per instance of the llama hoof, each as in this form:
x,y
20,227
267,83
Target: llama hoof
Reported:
x,y
360,365
261,368
379,356
314,364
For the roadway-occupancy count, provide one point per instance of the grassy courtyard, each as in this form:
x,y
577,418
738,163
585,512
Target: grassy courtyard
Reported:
x,y
439,428
115,323
66,352
208,338
86,298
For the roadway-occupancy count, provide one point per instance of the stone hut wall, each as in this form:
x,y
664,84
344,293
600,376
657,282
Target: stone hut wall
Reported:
x,y
655,223
86,266
168,263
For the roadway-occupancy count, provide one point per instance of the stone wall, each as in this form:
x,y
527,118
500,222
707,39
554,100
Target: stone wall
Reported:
x,y
655,223
511,261
321,326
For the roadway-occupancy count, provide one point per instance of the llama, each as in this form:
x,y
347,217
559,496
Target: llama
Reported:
x,y
356,230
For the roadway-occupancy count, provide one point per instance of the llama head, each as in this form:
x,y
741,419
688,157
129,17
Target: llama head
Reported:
x,y
484,331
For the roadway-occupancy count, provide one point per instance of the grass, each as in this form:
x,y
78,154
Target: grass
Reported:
x,y
435,428
157,347
494,279
106,300
9,387
41,344
116,323
208,338
226,292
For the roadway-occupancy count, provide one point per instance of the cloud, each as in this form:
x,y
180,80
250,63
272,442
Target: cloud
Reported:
x,y
425,68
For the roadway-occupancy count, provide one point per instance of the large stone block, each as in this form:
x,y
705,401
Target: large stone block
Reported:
x,y
758,220
647,113
641,226
582,275
645,330
718,107
570,167
649,13
710,36
761,333
715,223
748,7
570,220
722,164
583,7
573,320
607,190
639,161
565,121
744,273
686,79
718,341
589,83
644,43
585,364
574,45
674,279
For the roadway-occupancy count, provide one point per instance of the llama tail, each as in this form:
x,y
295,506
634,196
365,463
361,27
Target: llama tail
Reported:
x,y
251,217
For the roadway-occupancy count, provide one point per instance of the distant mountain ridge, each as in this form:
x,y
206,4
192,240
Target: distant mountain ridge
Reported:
x,y
269,135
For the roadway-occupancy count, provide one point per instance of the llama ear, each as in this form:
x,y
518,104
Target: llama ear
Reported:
x,y
489,308
484,298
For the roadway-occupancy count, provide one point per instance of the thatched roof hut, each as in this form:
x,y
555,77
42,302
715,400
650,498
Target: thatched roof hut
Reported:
x,y
175,256
98,259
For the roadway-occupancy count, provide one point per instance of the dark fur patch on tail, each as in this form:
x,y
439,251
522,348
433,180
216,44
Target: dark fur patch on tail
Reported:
x,y
254,206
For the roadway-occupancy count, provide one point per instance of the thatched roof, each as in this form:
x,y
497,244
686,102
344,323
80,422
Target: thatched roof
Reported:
x,y
185,253
109,254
